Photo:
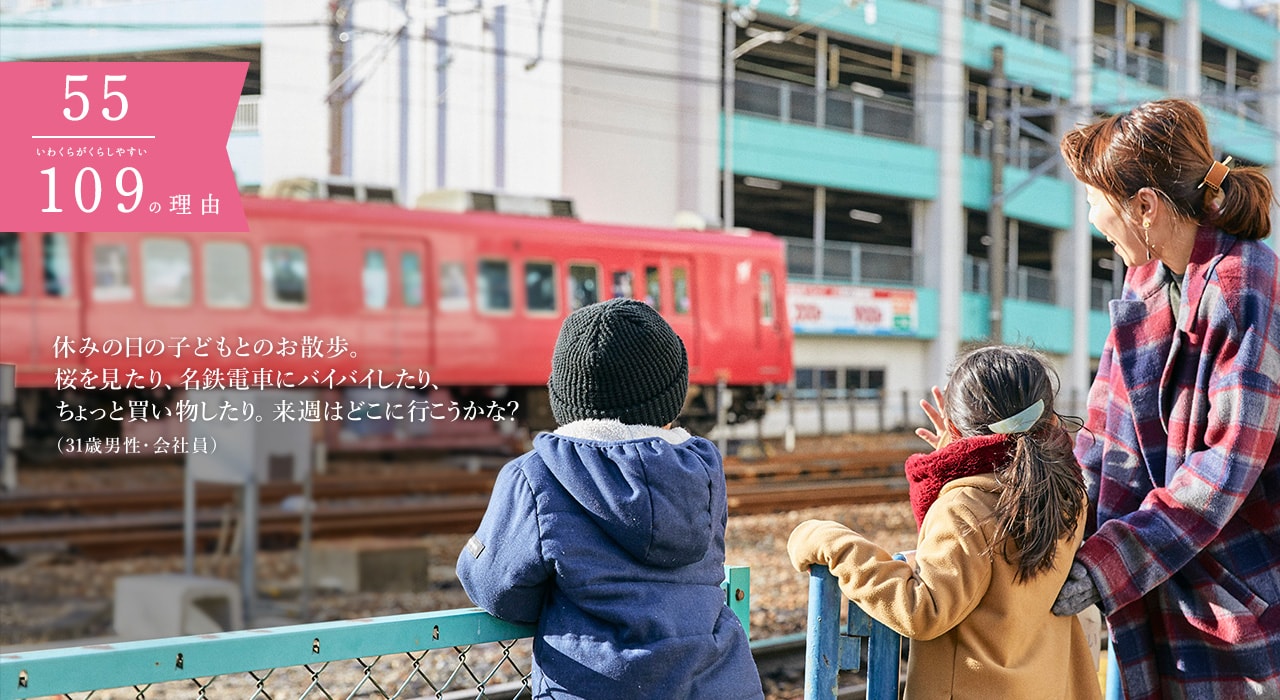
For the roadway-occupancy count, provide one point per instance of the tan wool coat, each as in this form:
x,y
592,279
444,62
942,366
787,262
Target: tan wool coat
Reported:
x,y
976,634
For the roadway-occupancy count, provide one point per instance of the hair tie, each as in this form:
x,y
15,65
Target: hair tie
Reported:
x,y
1217,172
1019,422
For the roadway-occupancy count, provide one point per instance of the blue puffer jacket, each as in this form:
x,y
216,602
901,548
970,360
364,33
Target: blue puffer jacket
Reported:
x,y
616,550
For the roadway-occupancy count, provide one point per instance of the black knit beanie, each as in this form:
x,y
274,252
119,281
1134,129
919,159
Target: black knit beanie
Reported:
x,y
618,359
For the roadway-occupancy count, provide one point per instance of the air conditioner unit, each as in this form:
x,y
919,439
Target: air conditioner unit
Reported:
x,y
502,203
341,190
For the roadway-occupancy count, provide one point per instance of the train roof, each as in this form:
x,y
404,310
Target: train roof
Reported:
x,y
390,214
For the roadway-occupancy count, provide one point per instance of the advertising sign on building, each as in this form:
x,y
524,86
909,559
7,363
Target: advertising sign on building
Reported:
x,y
846,310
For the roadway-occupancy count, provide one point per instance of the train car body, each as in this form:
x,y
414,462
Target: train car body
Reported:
x,y
474,300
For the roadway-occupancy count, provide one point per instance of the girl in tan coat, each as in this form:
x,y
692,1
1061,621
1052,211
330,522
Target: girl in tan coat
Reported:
x,y
1000,505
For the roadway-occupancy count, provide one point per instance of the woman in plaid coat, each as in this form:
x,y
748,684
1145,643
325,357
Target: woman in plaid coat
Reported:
x,y
1180,455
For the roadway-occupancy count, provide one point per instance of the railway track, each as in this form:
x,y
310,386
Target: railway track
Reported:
x,y
111,524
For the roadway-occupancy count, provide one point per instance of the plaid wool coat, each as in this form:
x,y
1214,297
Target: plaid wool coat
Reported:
x,y
1182,467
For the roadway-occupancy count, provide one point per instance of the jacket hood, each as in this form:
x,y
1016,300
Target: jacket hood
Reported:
x,y
637,483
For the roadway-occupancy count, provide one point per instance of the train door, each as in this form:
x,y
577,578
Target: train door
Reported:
x,y
396,321
771,341
38,302
664,285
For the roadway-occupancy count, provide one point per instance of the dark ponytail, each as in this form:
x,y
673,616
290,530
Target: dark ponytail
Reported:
x,y
1042,498
1245,208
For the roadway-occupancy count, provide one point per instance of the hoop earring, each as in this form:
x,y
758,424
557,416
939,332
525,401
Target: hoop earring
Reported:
x,y
1146,237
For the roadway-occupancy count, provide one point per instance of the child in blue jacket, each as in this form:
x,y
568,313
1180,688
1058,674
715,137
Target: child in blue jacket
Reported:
x,y
609,534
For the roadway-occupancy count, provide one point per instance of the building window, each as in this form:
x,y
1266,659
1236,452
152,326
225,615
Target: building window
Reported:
x,y
284,276
453,287
411,279
10,264
56,252
493,285
227,283
373,279
111,273
864,383
540,286
583,286
166,272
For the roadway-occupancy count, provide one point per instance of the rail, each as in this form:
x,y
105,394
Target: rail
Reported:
x,y
480,652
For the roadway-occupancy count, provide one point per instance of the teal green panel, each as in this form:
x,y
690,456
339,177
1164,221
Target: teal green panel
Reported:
x,y
974,323
1240,136
1099,327
1170,9
926,312
1239,29
737,588
1025,61
806,154
1045,326
130,28
1113,92
1046,201
914,26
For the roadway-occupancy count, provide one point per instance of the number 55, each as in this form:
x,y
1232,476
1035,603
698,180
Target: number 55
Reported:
x,y
107,93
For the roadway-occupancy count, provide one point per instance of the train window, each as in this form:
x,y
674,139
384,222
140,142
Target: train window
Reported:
x,y
453,287
111,273
583,286
411,278
226,268
166,272
680,288
56,253
621,284
766,296
652,287
374,279
10,264
284,276
540,286
493,285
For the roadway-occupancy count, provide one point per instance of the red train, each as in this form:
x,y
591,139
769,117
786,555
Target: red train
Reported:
x,y
475,299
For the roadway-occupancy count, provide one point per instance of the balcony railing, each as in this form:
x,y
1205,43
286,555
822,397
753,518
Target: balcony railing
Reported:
x,y
1025,283
852,263
1100,293
1141,64
1023,152
1023,21
788,102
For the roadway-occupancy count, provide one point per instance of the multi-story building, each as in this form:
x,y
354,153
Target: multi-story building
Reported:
x,y
863,131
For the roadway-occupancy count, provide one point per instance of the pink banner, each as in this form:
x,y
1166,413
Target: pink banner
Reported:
x,y
119,146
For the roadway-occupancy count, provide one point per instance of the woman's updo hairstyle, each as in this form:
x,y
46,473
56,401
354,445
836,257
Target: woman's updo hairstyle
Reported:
x,y
1165,145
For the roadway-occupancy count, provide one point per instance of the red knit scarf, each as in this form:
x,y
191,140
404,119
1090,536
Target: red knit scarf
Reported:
x,y
928,472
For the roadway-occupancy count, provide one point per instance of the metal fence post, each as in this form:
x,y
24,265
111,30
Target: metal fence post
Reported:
x,y
822,643
822,411
1114,691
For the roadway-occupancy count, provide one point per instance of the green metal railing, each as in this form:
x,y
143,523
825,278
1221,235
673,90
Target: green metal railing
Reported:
x,y
446,654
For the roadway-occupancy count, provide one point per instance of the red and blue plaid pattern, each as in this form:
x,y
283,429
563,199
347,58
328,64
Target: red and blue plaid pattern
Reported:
x,y
1182,466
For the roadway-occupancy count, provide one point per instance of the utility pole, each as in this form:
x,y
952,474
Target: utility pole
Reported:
x,y
338,10
995,214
